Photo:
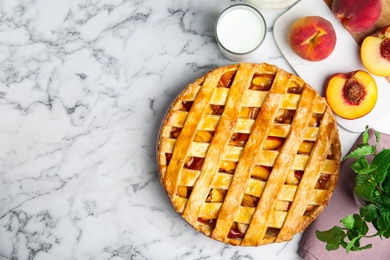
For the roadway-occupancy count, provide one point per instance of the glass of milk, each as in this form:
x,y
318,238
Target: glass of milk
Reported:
x,y
239,31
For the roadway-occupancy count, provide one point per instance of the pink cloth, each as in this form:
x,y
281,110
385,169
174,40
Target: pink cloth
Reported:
x,y
340,205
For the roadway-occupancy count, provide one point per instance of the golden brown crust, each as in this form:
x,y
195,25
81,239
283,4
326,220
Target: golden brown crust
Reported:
x,y
249,154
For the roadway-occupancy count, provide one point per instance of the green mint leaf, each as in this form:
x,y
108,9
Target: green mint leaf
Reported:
x,y
348,222
386,184
332,237
360,165
365,135
382,163
352,233
360,225
361,152
369,169
385,202
332,246
364,188
383,224
369,212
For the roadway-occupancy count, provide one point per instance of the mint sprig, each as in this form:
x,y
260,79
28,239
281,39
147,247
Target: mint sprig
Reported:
x,y
372,186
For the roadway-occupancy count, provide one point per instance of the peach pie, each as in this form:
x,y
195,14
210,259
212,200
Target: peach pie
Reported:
x,y
249,154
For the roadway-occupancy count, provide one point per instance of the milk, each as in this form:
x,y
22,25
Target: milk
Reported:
x,y
239,31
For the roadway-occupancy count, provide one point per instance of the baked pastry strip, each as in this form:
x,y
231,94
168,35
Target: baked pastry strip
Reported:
x,y
252,149
174,118
218,145
184,140
260,220
294,220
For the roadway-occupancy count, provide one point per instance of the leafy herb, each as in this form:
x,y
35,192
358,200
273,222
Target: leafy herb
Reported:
x,y
372,185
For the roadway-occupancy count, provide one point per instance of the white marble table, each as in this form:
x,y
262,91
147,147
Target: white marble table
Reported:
x,y
83,88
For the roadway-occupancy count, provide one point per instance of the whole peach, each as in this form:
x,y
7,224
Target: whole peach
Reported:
x,y
312,38
357,15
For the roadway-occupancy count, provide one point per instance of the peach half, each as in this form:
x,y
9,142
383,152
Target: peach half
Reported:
x,y
312,38
375,52
351,95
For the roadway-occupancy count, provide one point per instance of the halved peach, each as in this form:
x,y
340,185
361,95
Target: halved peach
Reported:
x,y
351,95
375,52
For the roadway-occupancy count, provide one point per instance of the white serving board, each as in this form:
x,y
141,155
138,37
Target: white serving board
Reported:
x,y
344,58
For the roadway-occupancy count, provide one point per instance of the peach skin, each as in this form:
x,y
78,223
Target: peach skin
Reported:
x,y
312,38
357,15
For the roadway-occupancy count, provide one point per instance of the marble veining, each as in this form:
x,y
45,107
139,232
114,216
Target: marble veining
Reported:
x,y
84,85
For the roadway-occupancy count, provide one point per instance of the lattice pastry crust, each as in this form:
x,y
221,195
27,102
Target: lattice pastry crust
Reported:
x,y
249,154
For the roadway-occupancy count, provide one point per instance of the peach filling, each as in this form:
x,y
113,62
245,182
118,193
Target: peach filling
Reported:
x,y
305,147
227,167
273,143
175,132
214,110
210,222
237,231
226,80
239,139
168,157
249,201
249,112
216,195
284,116
315,120
262,82
331,153
272,232
193,163
185,106
184,191
261,172
322,182
203,136
294,88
